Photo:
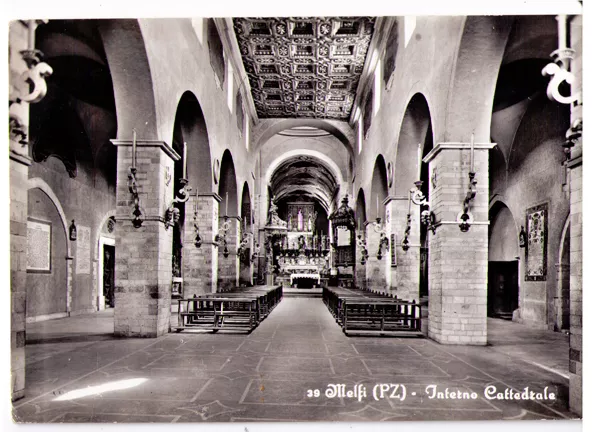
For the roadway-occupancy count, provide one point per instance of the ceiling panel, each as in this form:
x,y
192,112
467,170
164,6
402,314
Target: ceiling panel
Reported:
x,y
304,67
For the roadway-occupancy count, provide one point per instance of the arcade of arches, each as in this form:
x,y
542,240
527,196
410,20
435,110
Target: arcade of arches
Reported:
x,y
173,158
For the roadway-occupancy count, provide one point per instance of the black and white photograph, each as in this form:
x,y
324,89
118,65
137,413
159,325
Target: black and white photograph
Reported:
x,y
345,218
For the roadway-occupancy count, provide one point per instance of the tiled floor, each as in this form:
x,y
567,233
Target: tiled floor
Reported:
x,y
266,375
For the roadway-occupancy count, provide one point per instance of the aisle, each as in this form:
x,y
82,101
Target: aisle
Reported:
x,y
266,376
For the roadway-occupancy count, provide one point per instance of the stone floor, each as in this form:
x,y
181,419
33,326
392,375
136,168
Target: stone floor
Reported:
x,y
266,375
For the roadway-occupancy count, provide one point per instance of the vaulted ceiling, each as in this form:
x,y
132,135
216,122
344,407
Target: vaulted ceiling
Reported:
x,y
304,67
304,176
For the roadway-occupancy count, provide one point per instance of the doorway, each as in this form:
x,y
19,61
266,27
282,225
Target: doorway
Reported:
x,y
108,275
502,298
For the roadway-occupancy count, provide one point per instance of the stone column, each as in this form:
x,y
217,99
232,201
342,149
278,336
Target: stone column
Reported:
x,y
404,278
19,163
229,267
360,269
375,269
458,260
200,265
575,247
143,268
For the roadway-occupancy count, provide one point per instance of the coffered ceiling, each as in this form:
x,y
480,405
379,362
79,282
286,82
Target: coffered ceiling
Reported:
x,y
304,67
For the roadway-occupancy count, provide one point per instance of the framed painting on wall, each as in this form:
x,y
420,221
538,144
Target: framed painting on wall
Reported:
x,y
536,246
39,246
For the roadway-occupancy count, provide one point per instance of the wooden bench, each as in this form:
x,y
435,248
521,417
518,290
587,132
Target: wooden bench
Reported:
x,y
238,310
374,313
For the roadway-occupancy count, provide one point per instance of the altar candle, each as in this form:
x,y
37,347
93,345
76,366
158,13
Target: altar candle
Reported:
x,y
419,161
185,161
226,203
472,153
133,148
244,226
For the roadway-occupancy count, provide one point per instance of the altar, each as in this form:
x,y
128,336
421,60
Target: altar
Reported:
x,y
302,268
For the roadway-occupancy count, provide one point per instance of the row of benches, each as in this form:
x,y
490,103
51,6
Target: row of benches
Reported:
x,y
367,312
241,309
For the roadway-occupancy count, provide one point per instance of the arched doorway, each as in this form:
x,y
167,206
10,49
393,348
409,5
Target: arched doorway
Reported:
x,y
228,225
504,255
47,270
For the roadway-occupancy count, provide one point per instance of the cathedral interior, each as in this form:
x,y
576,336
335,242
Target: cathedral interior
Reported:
x,y
212,219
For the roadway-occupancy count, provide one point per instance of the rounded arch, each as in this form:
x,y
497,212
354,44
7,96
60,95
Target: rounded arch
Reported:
x,y
39,183
503,233
106,216
344,133
379,185
246,204
302,152
416,129
474,77
190,128
503,288
132,79
228,186
360,211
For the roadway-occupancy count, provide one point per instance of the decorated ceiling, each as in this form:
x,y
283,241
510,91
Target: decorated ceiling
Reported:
x,y
304,176
304,67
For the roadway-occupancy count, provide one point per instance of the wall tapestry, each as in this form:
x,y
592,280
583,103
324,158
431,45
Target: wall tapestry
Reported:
x,y
39,246
536,248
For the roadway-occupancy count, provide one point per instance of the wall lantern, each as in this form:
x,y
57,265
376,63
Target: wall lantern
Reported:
x,y
522,238
72,231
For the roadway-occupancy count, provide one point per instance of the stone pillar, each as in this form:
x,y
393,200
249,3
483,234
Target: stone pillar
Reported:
x,y
404,278
375,269
458,260
229,267
200,265
143,268
575,247
360,269
19,163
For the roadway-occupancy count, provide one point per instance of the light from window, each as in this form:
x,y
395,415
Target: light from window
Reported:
x,y
360,132
198,24
247,132
410,22
230,86
377,93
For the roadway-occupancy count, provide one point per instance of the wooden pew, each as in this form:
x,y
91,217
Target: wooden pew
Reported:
x,y
368,312
240,310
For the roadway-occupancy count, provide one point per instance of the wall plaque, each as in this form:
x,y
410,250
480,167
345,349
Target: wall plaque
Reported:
x,y
536,247
39,246
83,250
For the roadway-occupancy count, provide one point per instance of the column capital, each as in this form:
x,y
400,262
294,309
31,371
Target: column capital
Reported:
x,y
575,162
20,158
390,198
455,146
148,143
213,195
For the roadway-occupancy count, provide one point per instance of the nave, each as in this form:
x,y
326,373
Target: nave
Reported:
x,y
264,376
